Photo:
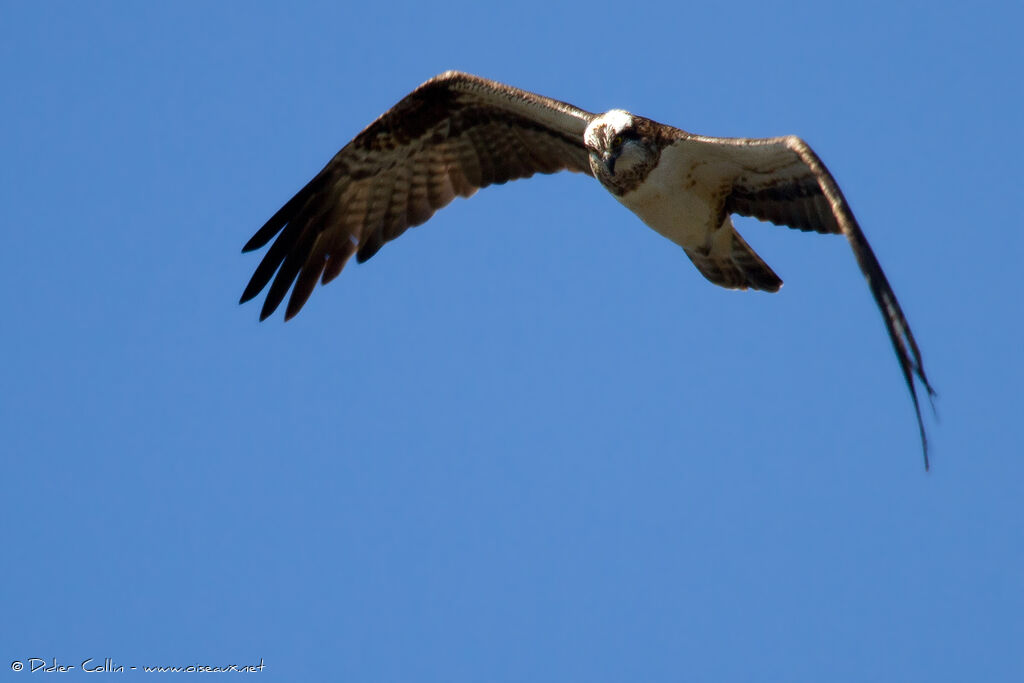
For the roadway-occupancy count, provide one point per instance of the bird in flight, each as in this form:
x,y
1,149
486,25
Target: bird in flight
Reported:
x,y
457,133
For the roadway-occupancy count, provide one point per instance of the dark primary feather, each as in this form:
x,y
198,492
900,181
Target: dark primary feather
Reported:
x,y
451,136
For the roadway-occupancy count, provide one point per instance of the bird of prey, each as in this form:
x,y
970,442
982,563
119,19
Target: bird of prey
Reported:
x,y
457,133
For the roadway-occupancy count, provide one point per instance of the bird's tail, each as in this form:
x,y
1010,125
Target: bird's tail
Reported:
x,y
728,261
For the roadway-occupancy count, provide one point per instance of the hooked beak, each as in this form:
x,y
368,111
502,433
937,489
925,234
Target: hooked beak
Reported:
x,y
609,161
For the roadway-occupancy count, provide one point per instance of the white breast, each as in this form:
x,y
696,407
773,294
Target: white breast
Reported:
x,y
679,199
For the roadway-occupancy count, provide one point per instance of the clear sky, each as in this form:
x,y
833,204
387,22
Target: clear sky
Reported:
x,y
527,441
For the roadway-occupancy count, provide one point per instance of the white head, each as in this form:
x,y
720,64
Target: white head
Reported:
x,y
620,154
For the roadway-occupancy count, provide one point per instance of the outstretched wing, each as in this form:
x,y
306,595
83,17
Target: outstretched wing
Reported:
x,y
451,136
783,181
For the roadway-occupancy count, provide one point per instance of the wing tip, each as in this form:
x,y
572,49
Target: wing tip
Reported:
x,y
250,293
251,245
268,309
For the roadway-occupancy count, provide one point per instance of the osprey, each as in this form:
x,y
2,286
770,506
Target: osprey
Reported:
x,y
457,133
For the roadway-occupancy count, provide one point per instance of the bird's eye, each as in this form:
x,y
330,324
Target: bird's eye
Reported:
x,y
617,141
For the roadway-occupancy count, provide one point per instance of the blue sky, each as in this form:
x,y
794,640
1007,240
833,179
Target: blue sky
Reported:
x,y
526,441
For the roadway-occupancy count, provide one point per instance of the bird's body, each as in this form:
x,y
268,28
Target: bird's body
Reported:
x,y
457,133
693,219
670,202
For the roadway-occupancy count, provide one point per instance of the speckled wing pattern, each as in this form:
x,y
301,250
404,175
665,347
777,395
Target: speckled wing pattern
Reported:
x,y
783,181
454,134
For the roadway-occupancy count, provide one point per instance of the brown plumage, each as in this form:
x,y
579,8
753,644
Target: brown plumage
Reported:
x,y
457,133
783,181
451,136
